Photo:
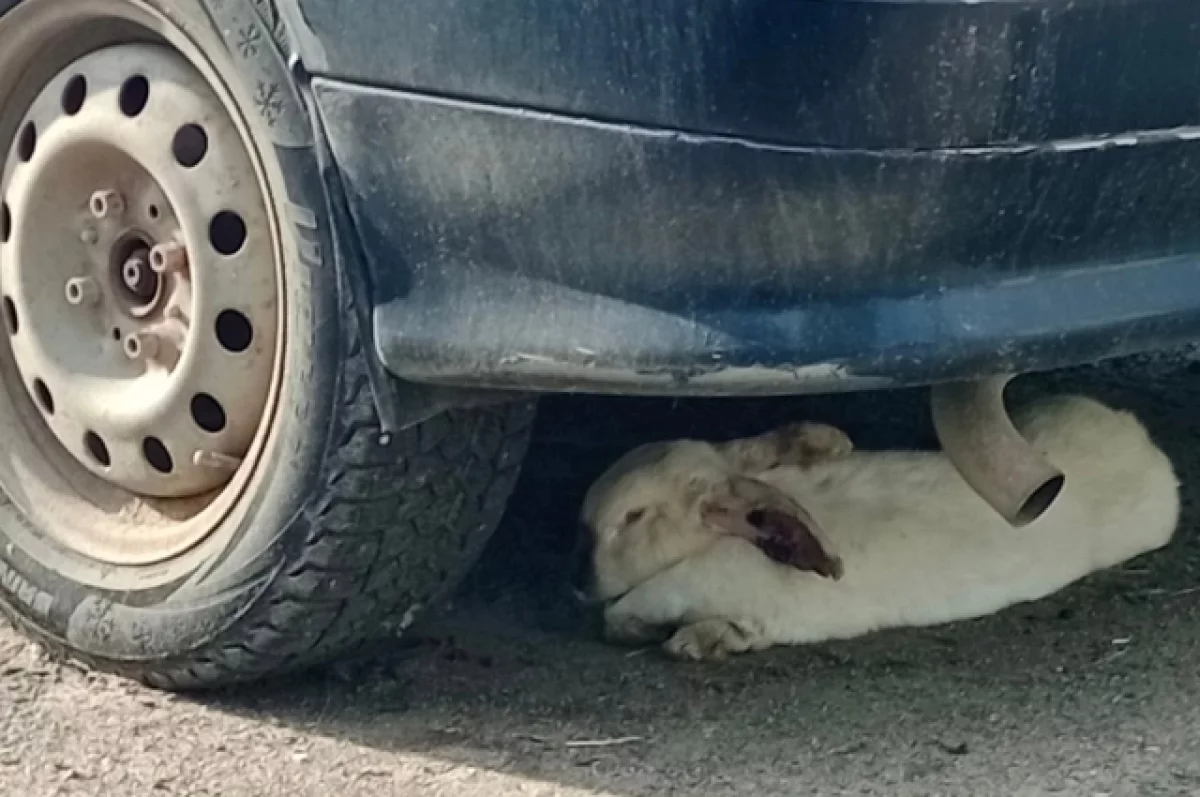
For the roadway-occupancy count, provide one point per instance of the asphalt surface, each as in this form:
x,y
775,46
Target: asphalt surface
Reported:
x,y
1093,692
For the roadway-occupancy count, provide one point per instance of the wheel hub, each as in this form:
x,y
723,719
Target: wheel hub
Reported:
x,y
139,285
137,274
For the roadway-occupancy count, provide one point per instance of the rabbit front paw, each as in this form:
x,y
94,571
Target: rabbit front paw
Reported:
x,y
797,445
713,640
805,444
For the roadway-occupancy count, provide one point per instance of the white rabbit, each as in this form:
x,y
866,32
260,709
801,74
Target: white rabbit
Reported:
x,y
791,538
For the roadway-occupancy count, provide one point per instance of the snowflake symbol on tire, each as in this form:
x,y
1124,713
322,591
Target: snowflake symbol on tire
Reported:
x,y
249,38
269,101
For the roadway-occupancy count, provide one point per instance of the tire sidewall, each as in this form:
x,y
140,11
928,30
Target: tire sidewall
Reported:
x,y
271,519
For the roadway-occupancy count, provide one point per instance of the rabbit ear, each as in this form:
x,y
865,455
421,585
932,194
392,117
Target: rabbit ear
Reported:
x,y
777,525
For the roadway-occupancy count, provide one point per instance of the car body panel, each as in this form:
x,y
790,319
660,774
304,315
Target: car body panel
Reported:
x,y
869,74
654,210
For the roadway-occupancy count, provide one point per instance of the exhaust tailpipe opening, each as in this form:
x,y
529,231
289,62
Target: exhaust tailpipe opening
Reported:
x,y
977,434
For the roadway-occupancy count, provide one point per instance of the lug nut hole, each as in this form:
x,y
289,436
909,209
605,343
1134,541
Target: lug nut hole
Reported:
x,y
11,320
44,399
74,95
96,447
156,453
190,145
234,331
135,93
208,413
27,142
227,233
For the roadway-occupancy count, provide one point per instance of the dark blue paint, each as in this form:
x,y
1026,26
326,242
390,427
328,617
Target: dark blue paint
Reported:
x,y
860,74
751,196
509,332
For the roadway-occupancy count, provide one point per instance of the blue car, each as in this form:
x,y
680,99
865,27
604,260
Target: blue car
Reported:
x,y
281,280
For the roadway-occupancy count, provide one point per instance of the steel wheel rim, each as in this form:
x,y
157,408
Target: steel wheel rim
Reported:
x,y
182,399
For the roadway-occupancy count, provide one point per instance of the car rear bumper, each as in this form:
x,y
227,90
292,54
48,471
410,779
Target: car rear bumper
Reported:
x,y
567,241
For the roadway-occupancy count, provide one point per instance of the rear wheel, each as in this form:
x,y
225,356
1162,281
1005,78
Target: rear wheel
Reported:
x,y
197,489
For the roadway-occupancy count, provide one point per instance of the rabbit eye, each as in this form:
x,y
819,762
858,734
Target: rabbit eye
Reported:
x,y
633,516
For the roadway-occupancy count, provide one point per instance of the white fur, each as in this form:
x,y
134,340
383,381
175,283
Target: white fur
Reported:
x,y
919,547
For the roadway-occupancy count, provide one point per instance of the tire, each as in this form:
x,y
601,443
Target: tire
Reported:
x,y
340,535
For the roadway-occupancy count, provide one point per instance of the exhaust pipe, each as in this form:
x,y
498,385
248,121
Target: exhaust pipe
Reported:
x,y
975,431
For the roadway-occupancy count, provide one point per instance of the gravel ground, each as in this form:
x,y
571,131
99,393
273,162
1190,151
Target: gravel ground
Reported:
x,y
1093,692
